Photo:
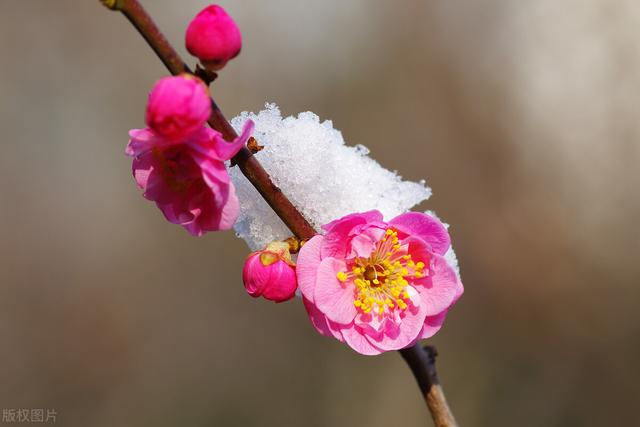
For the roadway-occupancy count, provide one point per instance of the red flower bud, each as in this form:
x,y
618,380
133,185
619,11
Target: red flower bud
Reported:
x,y
270,273
213,37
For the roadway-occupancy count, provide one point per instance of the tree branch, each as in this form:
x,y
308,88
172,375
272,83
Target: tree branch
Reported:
x,y
249,166
421,361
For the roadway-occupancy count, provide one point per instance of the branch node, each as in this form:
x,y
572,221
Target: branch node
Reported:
x,y
294,244
253,145
206,75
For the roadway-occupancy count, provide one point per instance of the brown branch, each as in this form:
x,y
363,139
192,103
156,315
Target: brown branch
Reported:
x,y
421,361
249,166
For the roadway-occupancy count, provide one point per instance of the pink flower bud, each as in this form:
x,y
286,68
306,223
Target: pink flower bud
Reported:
x,y
213,37
178,107
270,273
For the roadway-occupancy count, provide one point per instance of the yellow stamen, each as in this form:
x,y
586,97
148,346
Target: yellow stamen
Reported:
x,y
381,280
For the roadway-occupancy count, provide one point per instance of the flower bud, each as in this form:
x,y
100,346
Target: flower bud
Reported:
x,y
178,106
213,37
270,273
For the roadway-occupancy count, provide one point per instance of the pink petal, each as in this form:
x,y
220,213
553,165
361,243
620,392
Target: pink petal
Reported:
x,y
400,335
223,207
230,210
425,227
215,209
368,216
361,246
332,297
320,322
156,189
337,237
180,217
142,167
307,266
213,171
194,228
432,325
358,341
254,276
459,289
225,150
364,243
370,323
142,140
439,289
282,282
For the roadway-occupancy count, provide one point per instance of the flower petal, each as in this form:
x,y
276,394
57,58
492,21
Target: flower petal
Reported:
x,y
440,288
370,323
230,210
225,150
319,321
399,335
307,266
332,297
337,239
358,341
363,244
432,324
141,168
368,216
142,140
425,227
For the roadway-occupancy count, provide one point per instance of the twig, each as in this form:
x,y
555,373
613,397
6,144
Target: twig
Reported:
x,y
421,361
249,166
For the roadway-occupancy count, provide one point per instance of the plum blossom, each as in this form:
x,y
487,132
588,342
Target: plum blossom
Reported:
x,y
375,285
270,273
213,37
179,163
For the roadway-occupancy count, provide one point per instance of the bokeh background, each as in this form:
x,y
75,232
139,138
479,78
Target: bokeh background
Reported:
x,y
522,116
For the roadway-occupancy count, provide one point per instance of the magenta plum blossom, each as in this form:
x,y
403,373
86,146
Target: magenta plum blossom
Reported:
x,y
188,179
270,273
178,106
179,163
376,285
213,37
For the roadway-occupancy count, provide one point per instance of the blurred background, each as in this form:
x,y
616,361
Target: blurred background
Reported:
x,y
522,117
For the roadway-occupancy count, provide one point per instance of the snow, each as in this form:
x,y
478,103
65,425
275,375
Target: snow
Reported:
x,y
322,176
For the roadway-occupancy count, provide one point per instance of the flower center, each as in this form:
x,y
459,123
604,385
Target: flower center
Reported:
x,y
381,279
371,274
176,168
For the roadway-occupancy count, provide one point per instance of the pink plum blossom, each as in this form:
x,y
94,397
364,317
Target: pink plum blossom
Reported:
x,y
213,37
188,179
376,285
270,273
178,106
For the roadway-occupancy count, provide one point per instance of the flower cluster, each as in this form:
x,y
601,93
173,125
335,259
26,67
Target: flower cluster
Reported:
x,y
375,285
179,162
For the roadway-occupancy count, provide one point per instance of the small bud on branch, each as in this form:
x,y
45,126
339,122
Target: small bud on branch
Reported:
x,y
111,4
